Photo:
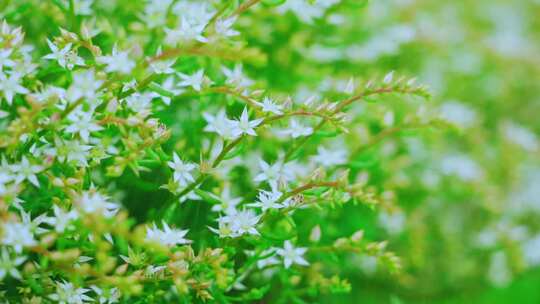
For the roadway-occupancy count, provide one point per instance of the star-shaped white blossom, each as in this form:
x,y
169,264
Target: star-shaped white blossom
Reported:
x,y
162,66
195,81
117,62
182,171
245,126
82,123
236,76
268,105
8,265
292,255
168,236
10,86
26,171
66,57
268,200
186,32
67,293
220,124
223,27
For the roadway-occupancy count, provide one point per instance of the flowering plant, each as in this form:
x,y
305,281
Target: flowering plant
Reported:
x,y
207,151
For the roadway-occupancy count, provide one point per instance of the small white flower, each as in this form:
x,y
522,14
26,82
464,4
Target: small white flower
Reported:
x,y
223,27
84,85
292,255
268,105
458,114
66,57
5,61
66,293
268,200
245,126
220,124
82,123
162,66
244,222
228,203
236,77
296,130
10,86
18,235
328,158
185,33
117,62
26,171
8,265
109,296
271,174
168,236
350,87
182,171
94,202
195,81
61,219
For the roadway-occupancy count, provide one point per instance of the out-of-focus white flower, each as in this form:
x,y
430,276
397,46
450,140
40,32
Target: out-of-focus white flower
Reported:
x,y
117,62
67,293
458,114
521,136
292,255
236,77
329,158
499,273
168,236
195,80
461,166
8,265
10,86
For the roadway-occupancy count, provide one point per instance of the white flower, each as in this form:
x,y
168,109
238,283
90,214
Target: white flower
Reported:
x,y
350,87
5,61
82,123
531,251
61,219
220,124
499,273
26,171
168,236
521,136
10,85
268,200
182,171
228,203
84,85
244,126
185,33
223,27
393,223
82,7
66,293
328,158
292,255
458,114
140,102
162,66
117,62
195,81
271,174
94,202
155,13
18,235
243,222
270,259
461,166
73,151
224,227
296,129
268,105
66,57
108,296
236,77
9,265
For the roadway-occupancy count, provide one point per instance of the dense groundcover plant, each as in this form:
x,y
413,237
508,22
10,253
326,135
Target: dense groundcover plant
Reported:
x,y
268,151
